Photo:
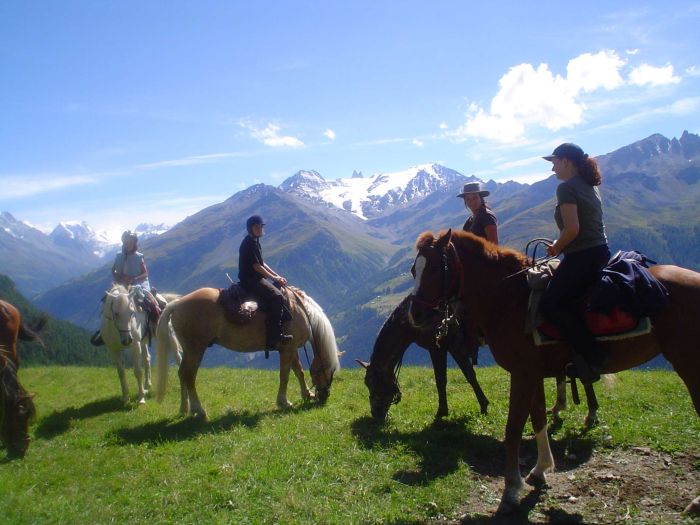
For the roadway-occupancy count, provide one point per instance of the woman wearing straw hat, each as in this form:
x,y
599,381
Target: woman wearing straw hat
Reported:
x,y
482,221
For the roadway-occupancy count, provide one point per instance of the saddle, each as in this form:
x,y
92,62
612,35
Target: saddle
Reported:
x,y
616,307
240,306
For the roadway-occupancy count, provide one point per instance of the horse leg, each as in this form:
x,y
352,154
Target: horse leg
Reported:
x,y
146,366
118,360
560,403
439,359
538,418
522,391
592,402
285,364
136,353
189,400
465,365
299,373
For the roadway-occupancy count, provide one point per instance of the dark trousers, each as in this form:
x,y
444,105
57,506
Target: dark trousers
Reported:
x,y
272,301
561,302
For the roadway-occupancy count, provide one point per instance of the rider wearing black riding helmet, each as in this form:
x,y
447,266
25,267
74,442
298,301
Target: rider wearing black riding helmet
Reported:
x,y
258,278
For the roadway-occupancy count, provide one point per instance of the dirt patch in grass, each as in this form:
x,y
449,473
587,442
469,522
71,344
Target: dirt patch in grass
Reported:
x,y
635,486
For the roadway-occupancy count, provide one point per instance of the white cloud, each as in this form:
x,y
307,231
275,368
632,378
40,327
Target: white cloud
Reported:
x,y
417,142
443,125
329,134
692,71
632,52
588,72
270,137
192,160
646,75
14,186
529,96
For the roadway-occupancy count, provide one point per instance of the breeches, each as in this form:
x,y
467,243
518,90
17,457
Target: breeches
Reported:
x,y
561,302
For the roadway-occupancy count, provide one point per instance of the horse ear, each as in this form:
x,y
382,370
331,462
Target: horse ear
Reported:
x,y
363,364
444,240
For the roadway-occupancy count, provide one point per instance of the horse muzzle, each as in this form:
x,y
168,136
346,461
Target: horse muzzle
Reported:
x,y
127,339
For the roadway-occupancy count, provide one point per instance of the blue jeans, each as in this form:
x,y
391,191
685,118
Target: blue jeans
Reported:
x,y
561,303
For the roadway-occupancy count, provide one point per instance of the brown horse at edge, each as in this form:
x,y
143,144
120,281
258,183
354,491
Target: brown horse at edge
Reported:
x,y
498,306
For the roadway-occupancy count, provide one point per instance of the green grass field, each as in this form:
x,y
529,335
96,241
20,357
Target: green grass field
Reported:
x,y
93,460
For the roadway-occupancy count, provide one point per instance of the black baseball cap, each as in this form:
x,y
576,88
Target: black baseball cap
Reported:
x,y
568,150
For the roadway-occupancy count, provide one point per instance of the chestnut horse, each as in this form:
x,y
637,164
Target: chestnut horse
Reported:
x,y
12,328
393,339
498,306
196,321
16,408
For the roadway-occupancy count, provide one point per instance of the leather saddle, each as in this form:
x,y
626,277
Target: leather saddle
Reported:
x,y
240,306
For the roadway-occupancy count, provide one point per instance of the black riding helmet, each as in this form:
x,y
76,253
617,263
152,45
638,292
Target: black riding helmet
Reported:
x,y
252,221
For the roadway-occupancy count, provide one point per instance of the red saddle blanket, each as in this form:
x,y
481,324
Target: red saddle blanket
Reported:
x,y
616,322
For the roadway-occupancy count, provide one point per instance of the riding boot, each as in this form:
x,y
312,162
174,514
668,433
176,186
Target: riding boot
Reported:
x,y
583,369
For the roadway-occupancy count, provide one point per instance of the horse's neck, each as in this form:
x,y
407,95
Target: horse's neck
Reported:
x,y
392,341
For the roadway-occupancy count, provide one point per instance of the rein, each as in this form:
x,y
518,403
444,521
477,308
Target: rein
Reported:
x,y
536,263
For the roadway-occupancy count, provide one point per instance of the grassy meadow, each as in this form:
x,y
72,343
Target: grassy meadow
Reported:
x,y
93,460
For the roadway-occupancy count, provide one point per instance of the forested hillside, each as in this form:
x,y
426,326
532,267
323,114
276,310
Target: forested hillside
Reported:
x,y
65,343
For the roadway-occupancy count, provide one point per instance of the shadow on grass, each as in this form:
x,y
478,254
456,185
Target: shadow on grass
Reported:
x,y
182,429
442,446
59,422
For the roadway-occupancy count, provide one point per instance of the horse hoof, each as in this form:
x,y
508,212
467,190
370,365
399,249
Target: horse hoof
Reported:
x,y
590,422
142,401
125,399
507,507
284,405
199,416
694,508
535,480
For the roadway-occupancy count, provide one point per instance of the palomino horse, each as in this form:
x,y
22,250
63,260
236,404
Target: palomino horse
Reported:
x,y
196,321
12,328
125,324
395,336
498,307
16,408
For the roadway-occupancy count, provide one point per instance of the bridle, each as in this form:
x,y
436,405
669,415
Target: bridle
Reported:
x,y
452,280
452,287
113,318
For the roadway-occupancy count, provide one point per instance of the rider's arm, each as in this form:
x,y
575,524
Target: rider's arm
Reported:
x,y
569,216
491,233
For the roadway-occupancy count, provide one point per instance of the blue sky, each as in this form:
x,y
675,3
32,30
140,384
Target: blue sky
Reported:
x,y
124,112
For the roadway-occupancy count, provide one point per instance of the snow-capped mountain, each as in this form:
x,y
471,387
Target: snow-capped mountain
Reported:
x,y
367,197
147,231
80,236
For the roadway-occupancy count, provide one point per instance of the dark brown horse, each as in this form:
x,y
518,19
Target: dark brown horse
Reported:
x,y
498,307
12,328
16,408
395,336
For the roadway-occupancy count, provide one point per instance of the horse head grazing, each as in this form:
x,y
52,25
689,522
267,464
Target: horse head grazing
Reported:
x,y
383,389
325,362
437,277
17,410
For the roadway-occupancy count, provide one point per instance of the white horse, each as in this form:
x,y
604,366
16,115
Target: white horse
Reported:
x,y
125,324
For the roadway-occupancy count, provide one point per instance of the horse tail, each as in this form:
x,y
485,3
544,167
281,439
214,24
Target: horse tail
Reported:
x,y
322,334
166,344
27,333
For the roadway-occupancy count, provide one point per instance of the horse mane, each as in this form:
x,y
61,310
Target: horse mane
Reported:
x,y
486,251
322,335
